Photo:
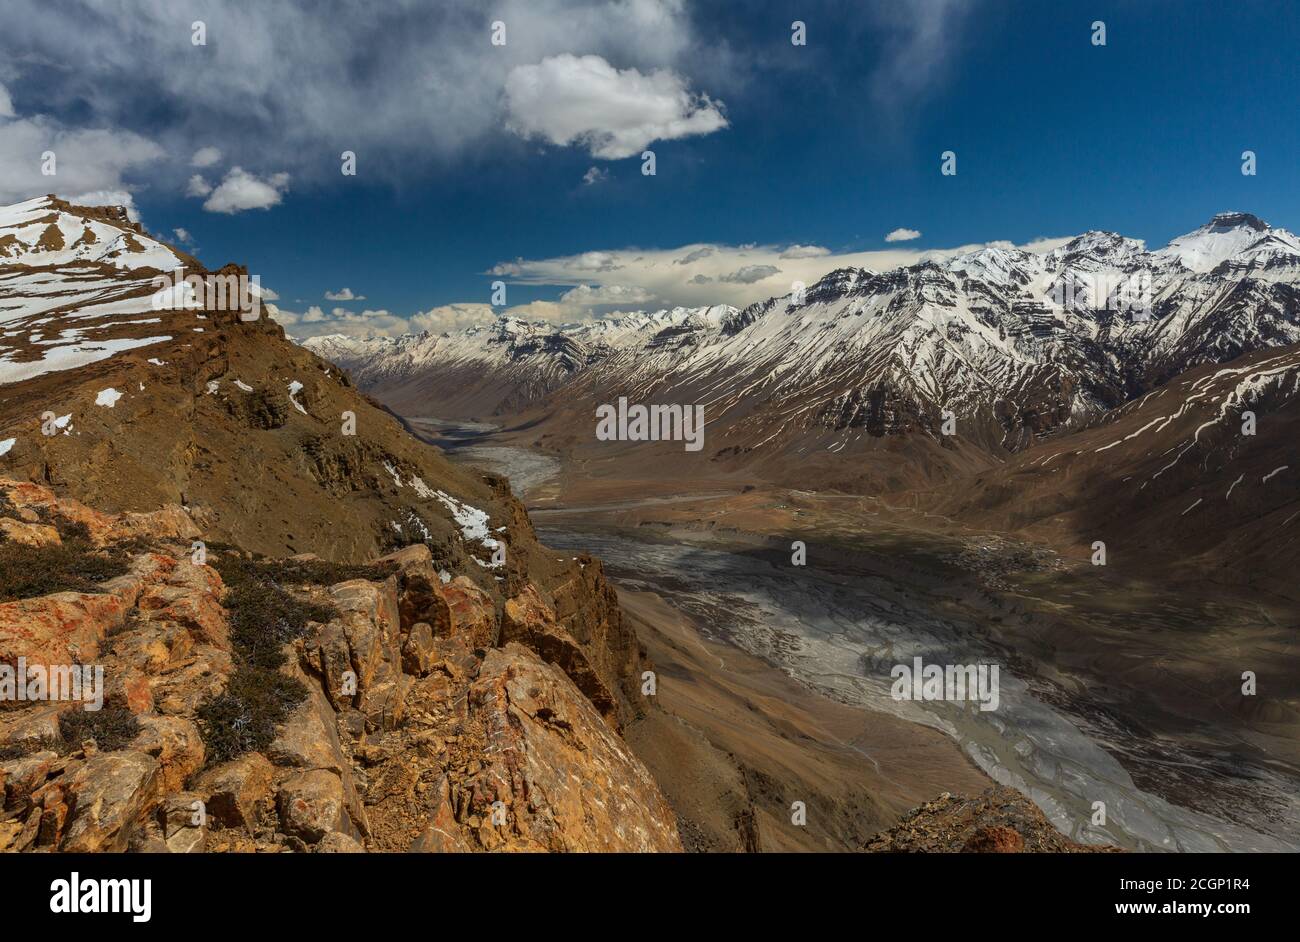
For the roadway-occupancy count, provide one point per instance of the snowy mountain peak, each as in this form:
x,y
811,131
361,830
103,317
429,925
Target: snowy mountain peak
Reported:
x,y
1225,221
48,231
1225,237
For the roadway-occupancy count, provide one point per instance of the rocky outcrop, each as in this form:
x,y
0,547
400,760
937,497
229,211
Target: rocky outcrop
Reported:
x,y
429,718
999,821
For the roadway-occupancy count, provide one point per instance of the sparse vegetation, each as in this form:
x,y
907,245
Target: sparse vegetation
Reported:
x,y
112,727
263,616
245,716
235,569
76,566
23,748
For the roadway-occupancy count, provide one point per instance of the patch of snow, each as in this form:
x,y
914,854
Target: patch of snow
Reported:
x,y
1273,472
294,388
108,397
6,445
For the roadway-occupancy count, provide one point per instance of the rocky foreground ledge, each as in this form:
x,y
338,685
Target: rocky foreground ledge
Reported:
x,y
254,704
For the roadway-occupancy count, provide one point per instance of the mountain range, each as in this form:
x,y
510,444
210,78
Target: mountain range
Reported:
x,y
977,368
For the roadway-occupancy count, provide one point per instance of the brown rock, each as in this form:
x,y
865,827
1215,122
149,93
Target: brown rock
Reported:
x,y
237,790
567,781
419,653
29,534
336,842
530,621
466,612
112,793
312,804
176,744
997,839
63,628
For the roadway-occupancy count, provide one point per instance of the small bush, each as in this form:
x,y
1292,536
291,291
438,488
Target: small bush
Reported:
x,y
112,727
245,716
264,617
235,569
76,566
23,748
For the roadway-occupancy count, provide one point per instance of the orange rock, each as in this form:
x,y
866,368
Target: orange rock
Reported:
x,y
63,628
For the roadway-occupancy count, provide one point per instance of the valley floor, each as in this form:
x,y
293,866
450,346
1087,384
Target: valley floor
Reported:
x,y
775,679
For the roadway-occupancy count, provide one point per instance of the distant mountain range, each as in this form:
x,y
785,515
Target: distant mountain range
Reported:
x,y
1097,386
1015,344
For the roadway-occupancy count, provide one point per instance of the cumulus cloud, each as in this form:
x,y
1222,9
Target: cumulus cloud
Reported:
x,y
805,251
725,274
595,175
613,113
586,297
903,235
315,321
344,294
6,104
289,81
198,187
241,190
694,255
205,157
92,160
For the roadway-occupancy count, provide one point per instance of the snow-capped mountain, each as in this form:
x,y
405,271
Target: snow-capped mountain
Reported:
x,y
1015,344
77,285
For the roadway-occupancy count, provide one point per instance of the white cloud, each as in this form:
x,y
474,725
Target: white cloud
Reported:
x,y
315,322
717,273
85,160
241,190
286,82
6,104
903,235
586,297
614,113
805,251
917,45
205,157
595,175
198,187
344,294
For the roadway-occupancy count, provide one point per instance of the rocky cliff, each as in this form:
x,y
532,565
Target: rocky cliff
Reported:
x,y
254,704
164,450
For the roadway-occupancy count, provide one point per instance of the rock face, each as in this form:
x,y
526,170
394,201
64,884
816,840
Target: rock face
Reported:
x,y
196,437
1000,821
419,727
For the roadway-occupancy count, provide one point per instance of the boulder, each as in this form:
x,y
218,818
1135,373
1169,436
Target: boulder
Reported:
x,y
111,794
312,805
466,611
177,745
63,628
419,653
29,534
236,791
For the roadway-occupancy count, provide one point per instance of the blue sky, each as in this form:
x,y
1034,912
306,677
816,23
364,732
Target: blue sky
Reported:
x,y
462,166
